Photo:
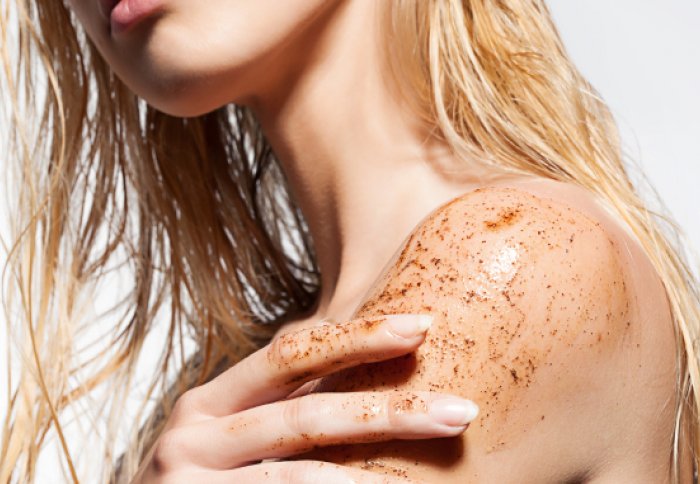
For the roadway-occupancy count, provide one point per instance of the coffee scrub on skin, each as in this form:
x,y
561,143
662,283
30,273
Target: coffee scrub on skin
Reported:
x,y
354,241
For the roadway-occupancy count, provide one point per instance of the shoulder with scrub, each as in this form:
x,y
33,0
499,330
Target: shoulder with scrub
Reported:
x,y
551,318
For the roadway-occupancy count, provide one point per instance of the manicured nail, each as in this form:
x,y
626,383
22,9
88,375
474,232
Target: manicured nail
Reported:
x,y
453,411
409,325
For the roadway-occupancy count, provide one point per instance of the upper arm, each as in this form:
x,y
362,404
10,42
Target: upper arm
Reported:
x,y
535,321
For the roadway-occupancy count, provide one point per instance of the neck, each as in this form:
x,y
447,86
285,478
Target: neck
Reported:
x,y
358,163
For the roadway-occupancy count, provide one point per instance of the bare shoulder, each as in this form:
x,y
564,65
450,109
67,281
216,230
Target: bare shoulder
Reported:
x,y
550,317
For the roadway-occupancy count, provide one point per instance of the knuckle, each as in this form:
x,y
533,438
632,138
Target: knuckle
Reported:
x,y
278,351
292,416
300,414
399,403
301,472
168,452
186,404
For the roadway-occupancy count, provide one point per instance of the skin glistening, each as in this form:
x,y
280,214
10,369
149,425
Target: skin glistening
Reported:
x,y
491,303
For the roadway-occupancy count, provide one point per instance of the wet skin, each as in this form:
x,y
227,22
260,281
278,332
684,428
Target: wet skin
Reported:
x,y
548,318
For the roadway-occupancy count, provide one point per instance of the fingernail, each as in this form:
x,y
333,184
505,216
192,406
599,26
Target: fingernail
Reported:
x,y
409,325
453,411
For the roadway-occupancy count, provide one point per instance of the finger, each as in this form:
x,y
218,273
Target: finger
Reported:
x,y
274,371
301,472
290,427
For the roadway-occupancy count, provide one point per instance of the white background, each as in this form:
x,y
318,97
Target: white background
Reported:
x,y
642,57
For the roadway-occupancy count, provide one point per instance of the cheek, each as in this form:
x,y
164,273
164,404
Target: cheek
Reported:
x,y
96,27
190,59
189,66
91,20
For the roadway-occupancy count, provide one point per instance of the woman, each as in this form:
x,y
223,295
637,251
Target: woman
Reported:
x,y
447,159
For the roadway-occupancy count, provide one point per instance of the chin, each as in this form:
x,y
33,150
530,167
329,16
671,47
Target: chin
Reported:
x,y
177,91
180,99
186,90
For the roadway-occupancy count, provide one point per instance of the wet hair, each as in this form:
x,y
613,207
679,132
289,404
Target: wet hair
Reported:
x,y
198,212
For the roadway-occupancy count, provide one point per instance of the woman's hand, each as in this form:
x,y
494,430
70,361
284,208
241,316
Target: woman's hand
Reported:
x,y
260,409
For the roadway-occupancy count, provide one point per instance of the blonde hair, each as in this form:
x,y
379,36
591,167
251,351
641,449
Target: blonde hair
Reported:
x,y
201,212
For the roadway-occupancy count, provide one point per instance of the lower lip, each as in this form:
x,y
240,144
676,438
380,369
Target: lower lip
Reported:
x,y
128,13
